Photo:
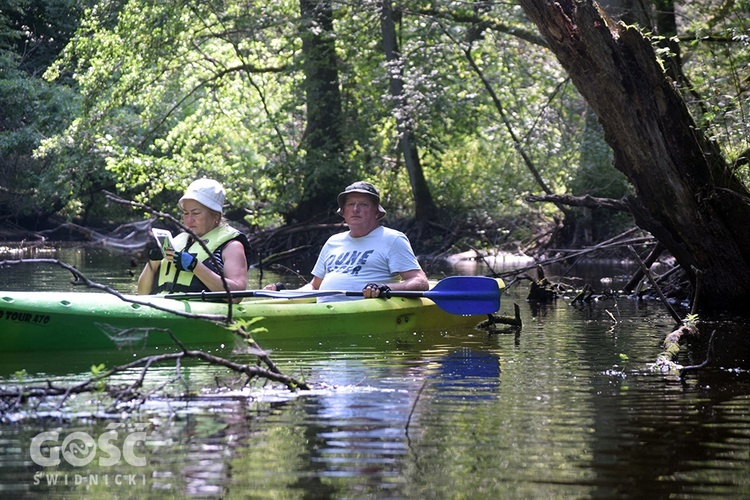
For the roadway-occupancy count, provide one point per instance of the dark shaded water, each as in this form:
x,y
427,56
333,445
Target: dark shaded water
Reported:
x,y
567,407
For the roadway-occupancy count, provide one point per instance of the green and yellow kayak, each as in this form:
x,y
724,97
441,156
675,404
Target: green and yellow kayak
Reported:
x,y
58,321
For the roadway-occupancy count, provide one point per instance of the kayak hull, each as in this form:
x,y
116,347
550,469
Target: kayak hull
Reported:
x,y
59,321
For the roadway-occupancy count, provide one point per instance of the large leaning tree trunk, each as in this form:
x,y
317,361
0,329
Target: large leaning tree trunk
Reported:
x,y
686,196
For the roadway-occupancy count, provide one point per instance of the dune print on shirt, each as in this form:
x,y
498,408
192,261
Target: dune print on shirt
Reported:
x,y
347,263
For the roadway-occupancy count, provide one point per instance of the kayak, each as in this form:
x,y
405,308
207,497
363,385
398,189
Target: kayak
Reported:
x,y
60,321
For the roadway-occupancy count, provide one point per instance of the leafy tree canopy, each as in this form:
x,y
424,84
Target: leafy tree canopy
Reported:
x,y
168,91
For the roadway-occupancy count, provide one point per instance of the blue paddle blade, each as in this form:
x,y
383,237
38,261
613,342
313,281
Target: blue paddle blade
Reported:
x,y
466,295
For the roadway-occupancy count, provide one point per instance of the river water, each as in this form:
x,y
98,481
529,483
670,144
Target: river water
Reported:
x,y
567,406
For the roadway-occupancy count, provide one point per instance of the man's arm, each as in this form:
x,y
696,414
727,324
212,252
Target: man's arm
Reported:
x,y
415,280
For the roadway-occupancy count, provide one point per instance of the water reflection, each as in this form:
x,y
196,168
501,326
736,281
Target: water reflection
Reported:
x,y
466,373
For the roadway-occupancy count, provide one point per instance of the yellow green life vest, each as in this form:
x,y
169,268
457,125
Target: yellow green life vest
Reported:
x,y
172,280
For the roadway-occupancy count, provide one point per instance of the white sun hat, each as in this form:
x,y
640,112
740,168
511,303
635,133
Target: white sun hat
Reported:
x,y
207,192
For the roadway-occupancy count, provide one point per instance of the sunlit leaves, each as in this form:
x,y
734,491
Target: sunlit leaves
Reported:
x,y
174,90
716,37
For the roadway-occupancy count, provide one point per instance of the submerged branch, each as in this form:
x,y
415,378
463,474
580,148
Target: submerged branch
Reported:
x,y
647,273
13,397
709,358
621,240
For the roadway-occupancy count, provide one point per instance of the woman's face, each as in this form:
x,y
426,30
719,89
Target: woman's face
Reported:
x,y
198,217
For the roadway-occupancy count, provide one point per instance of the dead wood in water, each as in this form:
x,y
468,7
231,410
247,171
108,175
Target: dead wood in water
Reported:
x,y
542,291
585,295
493,319
646,272
666,361
573,255
13,397
709,358
656,251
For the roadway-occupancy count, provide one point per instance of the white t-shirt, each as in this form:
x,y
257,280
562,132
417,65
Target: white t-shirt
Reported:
x,y
347,263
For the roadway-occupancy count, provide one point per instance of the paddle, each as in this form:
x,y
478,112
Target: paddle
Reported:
x,y
465,295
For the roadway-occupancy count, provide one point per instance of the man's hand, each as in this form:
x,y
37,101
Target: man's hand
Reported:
x,y
372,290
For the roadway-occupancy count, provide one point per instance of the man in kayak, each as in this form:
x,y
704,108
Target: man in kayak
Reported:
x,y
369,256
188,267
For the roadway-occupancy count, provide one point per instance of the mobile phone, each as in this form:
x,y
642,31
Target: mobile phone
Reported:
x,y
164,240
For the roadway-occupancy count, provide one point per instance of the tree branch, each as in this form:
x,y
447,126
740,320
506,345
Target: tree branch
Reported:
x,y
13,397
581,201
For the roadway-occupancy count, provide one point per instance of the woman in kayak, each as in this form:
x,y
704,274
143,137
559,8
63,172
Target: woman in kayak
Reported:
x,y
189,267
369,257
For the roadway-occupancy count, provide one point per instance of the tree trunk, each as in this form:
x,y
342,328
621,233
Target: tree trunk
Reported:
x,y
686,195
425,209
323,143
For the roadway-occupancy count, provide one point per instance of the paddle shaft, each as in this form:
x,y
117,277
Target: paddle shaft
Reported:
x,y
466,295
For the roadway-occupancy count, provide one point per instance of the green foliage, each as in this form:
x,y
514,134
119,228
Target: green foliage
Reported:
x,y
98,371
596,176
31,35
174,91
36,31
149,95
245,328
246,324
715,40
470,161
690,320
32,110
168,97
